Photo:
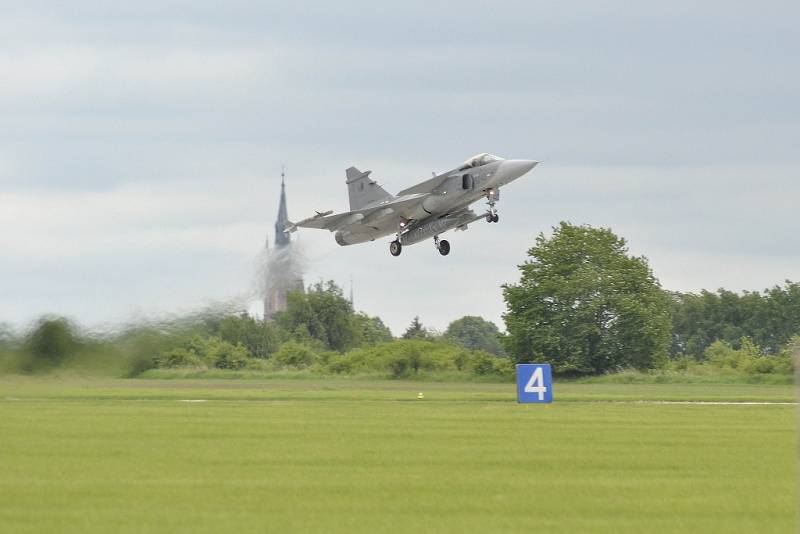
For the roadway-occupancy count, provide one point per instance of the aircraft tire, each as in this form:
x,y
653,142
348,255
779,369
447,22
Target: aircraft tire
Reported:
x,y
489,217
395,248
496,218
444,247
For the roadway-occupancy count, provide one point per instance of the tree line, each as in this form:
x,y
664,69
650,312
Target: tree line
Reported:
x,y
769,319
587,305
319,332
583,303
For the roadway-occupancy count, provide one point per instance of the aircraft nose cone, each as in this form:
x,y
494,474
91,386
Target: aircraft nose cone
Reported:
x,y
518,167
514,168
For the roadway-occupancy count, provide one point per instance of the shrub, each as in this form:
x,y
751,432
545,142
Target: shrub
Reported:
x,y
179,357
224,355
294,354
749,359
483,364
212,351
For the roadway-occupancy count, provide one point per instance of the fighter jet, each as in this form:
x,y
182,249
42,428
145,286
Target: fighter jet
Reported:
x,y
422,211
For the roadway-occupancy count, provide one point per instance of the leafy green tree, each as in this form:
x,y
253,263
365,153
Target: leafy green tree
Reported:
x,y
370,330
585,305
416,331
325,314
475,333
781,316
51,342
259,338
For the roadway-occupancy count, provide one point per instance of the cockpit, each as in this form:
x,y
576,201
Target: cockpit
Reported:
x,y
479,160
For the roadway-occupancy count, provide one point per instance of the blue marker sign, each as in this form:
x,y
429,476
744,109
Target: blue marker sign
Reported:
x,y
534,382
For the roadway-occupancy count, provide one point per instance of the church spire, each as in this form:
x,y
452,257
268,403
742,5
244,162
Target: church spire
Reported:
x,y
281,235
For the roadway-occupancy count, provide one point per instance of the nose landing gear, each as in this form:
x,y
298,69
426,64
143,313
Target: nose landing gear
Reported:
x,y
492,196
442,246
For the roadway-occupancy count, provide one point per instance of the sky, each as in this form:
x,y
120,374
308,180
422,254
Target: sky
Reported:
x,y
141,144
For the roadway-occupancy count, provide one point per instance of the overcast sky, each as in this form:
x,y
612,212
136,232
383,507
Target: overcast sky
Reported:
x,y
141,143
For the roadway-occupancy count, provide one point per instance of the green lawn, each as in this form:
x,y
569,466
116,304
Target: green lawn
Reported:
x,y
356,456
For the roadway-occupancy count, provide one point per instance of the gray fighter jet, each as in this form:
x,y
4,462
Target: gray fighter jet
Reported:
x,y
425,210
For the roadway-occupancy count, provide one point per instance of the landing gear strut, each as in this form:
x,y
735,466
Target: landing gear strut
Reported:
x,y
442,246
491,198
395,247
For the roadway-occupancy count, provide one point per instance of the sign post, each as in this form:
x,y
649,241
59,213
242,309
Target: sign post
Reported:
x,y
534,383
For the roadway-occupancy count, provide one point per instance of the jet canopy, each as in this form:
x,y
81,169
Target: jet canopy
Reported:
x,y
479,160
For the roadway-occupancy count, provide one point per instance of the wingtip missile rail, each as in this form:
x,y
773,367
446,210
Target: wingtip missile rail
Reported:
x,y
290,226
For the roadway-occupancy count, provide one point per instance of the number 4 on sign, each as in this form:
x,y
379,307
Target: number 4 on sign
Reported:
x,y
534,383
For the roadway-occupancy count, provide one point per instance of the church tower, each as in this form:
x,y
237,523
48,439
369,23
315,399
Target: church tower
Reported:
x,y
284,270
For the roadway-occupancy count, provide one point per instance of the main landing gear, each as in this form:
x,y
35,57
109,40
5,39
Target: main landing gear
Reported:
x,y
492,196
442,246
395,247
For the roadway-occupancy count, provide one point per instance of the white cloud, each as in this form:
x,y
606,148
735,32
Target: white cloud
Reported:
x,y
31,74
145,217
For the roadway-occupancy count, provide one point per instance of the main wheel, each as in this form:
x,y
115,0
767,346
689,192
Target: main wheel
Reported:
x,y
489,217
444,247
496,218
395,248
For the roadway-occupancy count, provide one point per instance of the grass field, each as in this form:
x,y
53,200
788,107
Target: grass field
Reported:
x,y
80,455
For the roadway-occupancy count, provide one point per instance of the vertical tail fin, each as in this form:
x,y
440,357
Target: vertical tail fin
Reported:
x,y
363,190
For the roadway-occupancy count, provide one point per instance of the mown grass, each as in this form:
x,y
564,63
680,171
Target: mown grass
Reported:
x,y
306,374
620,377
688,377
83,455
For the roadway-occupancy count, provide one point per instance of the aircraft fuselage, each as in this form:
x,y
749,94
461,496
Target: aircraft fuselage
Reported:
x,y
439,209
421,211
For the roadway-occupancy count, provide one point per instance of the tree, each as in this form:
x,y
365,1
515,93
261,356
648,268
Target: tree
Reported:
x,y
259,338
585,305
370,330
325,313
769,318
416,331
51,342
475,333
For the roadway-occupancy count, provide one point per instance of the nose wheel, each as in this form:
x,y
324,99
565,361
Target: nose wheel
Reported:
x,y
442,246
395,248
